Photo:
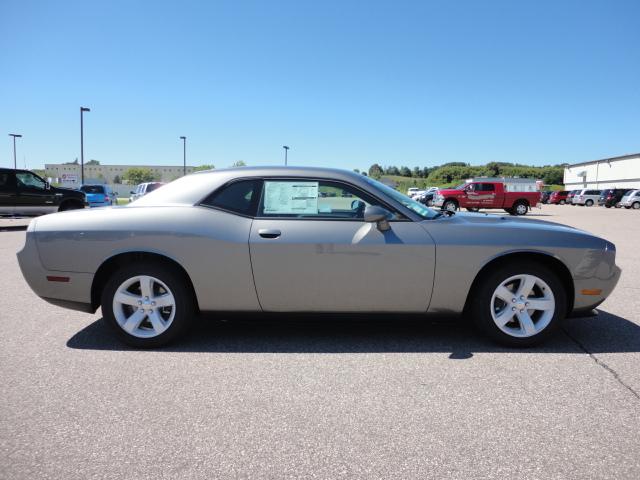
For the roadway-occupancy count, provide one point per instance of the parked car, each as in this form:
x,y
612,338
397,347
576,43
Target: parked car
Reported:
x,y
144,188
612,196
631,200
262,240
99,195
545,195
412,191
571,196
559,197
476,195
24,193
427,196
587,198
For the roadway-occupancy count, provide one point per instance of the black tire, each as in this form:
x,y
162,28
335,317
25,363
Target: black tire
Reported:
x,y
70,205
562,202
588,203
178,286
607,206
520,208
450,205
479,305
473,209
636,205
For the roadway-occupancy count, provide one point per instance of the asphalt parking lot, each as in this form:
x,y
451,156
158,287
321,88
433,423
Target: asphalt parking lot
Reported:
x,y
323,398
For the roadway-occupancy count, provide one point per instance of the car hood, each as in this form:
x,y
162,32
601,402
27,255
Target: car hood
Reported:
x,y
485,219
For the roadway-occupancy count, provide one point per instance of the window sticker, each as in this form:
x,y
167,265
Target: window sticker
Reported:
x,y
291,198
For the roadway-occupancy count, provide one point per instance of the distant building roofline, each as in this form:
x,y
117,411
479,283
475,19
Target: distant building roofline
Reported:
x,y
610,159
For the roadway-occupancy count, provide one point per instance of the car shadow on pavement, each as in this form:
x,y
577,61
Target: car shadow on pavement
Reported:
x,y
603,333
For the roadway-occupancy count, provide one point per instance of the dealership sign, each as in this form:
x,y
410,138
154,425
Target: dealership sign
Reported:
x,y
69,177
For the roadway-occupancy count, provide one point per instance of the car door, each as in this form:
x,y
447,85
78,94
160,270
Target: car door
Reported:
x,y
34,195
473,195
487,194
7,192
311,251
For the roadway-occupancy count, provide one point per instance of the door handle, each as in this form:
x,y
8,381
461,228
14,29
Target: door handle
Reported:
x,y
269,233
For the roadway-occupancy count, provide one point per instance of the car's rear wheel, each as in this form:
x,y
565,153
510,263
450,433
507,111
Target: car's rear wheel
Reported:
x,y
147,305
520,208
636,205
518,304
588,203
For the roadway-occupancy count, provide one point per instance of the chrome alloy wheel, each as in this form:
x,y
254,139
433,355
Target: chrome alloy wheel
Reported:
x,y
521,209
144,306
522,306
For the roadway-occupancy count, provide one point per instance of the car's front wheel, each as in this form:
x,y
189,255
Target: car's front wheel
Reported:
x,y
148,305
450,205
636,205
562,202
519,304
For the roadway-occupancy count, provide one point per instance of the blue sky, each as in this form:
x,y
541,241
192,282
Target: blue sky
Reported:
x,y
344,83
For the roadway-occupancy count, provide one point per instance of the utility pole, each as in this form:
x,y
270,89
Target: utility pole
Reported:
x,y
82,110
184,155
14,135
286,150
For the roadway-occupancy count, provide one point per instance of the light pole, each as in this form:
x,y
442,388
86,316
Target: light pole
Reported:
x,y
286,150
82,110
184,155
14,135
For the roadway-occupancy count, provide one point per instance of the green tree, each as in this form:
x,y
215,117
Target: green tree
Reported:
x,y
117,179
93,162
405,172
239,163
138,175
375,171
204,167
75,162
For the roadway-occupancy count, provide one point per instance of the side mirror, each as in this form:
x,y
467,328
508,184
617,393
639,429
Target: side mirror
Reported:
x,y
379,216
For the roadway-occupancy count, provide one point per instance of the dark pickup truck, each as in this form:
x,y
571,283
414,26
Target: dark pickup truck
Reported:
x,y
24,193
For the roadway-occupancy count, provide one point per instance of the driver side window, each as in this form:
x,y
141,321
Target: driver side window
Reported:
x,y
311,199
29,180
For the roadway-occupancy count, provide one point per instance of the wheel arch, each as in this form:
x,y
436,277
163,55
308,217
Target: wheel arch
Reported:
x,y
546,259
113,263
69,201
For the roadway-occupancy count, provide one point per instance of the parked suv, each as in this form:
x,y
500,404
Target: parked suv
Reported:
x,y
631,200
99,195
144,188
24,193
587,198
559,197
612,196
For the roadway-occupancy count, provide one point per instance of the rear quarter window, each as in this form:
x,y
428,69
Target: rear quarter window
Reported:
x,y
238,197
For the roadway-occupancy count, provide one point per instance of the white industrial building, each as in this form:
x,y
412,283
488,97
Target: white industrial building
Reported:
x,y
616,172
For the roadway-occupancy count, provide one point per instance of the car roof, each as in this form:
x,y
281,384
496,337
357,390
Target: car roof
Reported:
x,y
192,188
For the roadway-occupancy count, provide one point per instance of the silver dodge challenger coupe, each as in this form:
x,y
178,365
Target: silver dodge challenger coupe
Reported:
x,y
310,240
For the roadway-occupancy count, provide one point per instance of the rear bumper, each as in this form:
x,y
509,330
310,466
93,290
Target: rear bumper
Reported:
x,y
68,289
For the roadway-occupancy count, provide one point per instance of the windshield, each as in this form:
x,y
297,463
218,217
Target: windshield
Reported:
x,y
92,189
460,187
414,206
